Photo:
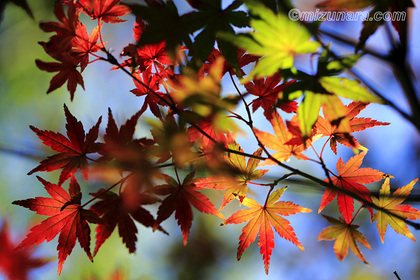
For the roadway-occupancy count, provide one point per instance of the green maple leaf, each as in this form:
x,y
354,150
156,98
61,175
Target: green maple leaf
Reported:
x,y
276,38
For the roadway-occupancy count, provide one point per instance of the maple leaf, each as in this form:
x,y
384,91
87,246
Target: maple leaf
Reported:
x,y
85,44
16,264
67,72
391,204
235,186
333,107
149,57
338,135
72,150
345,235
67,217
164,24
347,88
280,142
108,11
120,210
261,219
153,55
212,18
179,200
276,39
151,91
116,140
267,90
65,29
324,89
350,179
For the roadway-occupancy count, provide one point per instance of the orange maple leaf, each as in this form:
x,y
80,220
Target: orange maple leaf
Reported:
x,y
350,179
345,236
278,142
341,133
261,218
391,204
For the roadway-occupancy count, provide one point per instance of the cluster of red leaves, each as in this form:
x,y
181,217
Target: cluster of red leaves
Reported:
x,y
71,45
120,149
70,219
193,131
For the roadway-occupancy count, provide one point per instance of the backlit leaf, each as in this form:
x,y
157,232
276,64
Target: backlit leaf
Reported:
x,y
276,39
67,218
261,219
350,179
345,235
392,204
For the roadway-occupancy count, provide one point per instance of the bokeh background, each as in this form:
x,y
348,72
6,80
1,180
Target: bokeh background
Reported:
x,y
211,250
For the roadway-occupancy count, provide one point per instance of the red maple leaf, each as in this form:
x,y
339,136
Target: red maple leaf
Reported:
x,y
338,134
179,200
120,210
350,179
72,150
151,100
67,218
108,11
267,90
261,219
16,264
65,29
153,55
67,72
85,44
116,140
